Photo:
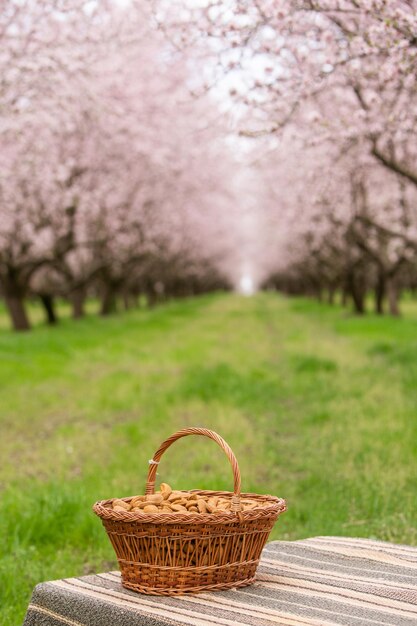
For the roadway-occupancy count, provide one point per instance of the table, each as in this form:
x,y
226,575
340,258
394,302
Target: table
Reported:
x,y
314,582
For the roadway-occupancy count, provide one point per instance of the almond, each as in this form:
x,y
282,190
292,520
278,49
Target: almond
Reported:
x,y
135,500
179,508
210,506
151,508
121,503
154,498
175,495
165,490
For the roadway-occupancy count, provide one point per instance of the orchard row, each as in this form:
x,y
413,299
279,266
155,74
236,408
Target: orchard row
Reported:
x,y
327,91
114,181
169,147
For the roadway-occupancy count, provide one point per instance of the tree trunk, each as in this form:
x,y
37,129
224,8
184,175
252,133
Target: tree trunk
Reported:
x,y
380,294
13,297
17,311
331,294
77,298
344,296
151,298
126,301
393,296
108,300
358,292
48,304
358,301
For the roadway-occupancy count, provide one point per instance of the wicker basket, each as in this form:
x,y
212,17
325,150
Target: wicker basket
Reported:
x,y
167,554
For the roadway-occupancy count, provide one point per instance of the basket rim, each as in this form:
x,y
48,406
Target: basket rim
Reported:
x,y
275,507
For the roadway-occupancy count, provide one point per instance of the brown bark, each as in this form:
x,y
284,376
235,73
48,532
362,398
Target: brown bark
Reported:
x,y
126,301
48,305
17,311
380,294
344,298
393,295
331,294
108,300
395,166
13,294
358,301
77,298
357,290
151,298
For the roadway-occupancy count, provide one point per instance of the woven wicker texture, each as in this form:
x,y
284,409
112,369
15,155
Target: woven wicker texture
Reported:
x,y
169,554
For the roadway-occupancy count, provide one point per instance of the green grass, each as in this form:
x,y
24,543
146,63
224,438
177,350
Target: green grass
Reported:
x,y
319,407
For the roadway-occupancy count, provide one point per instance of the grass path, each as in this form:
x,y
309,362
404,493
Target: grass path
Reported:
x,y
319,407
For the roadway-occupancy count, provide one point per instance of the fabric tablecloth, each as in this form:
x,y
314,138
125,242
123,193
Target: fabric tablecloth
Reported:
x,y
313,582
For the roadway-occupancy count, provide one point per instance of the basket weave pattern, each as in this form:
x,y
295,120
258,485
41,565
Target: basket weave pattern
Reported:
x,y
168,554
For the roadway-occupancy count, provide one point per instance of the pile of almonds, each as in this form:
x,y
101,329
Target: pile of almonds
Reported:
x,y
169,501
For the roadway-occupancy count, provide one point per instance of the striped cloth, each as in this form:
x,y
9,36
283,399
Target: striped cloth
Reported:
x,y
314,582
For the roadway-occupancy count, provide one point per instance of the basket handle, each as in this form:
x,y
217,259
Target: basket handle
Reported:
x,y
153,463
